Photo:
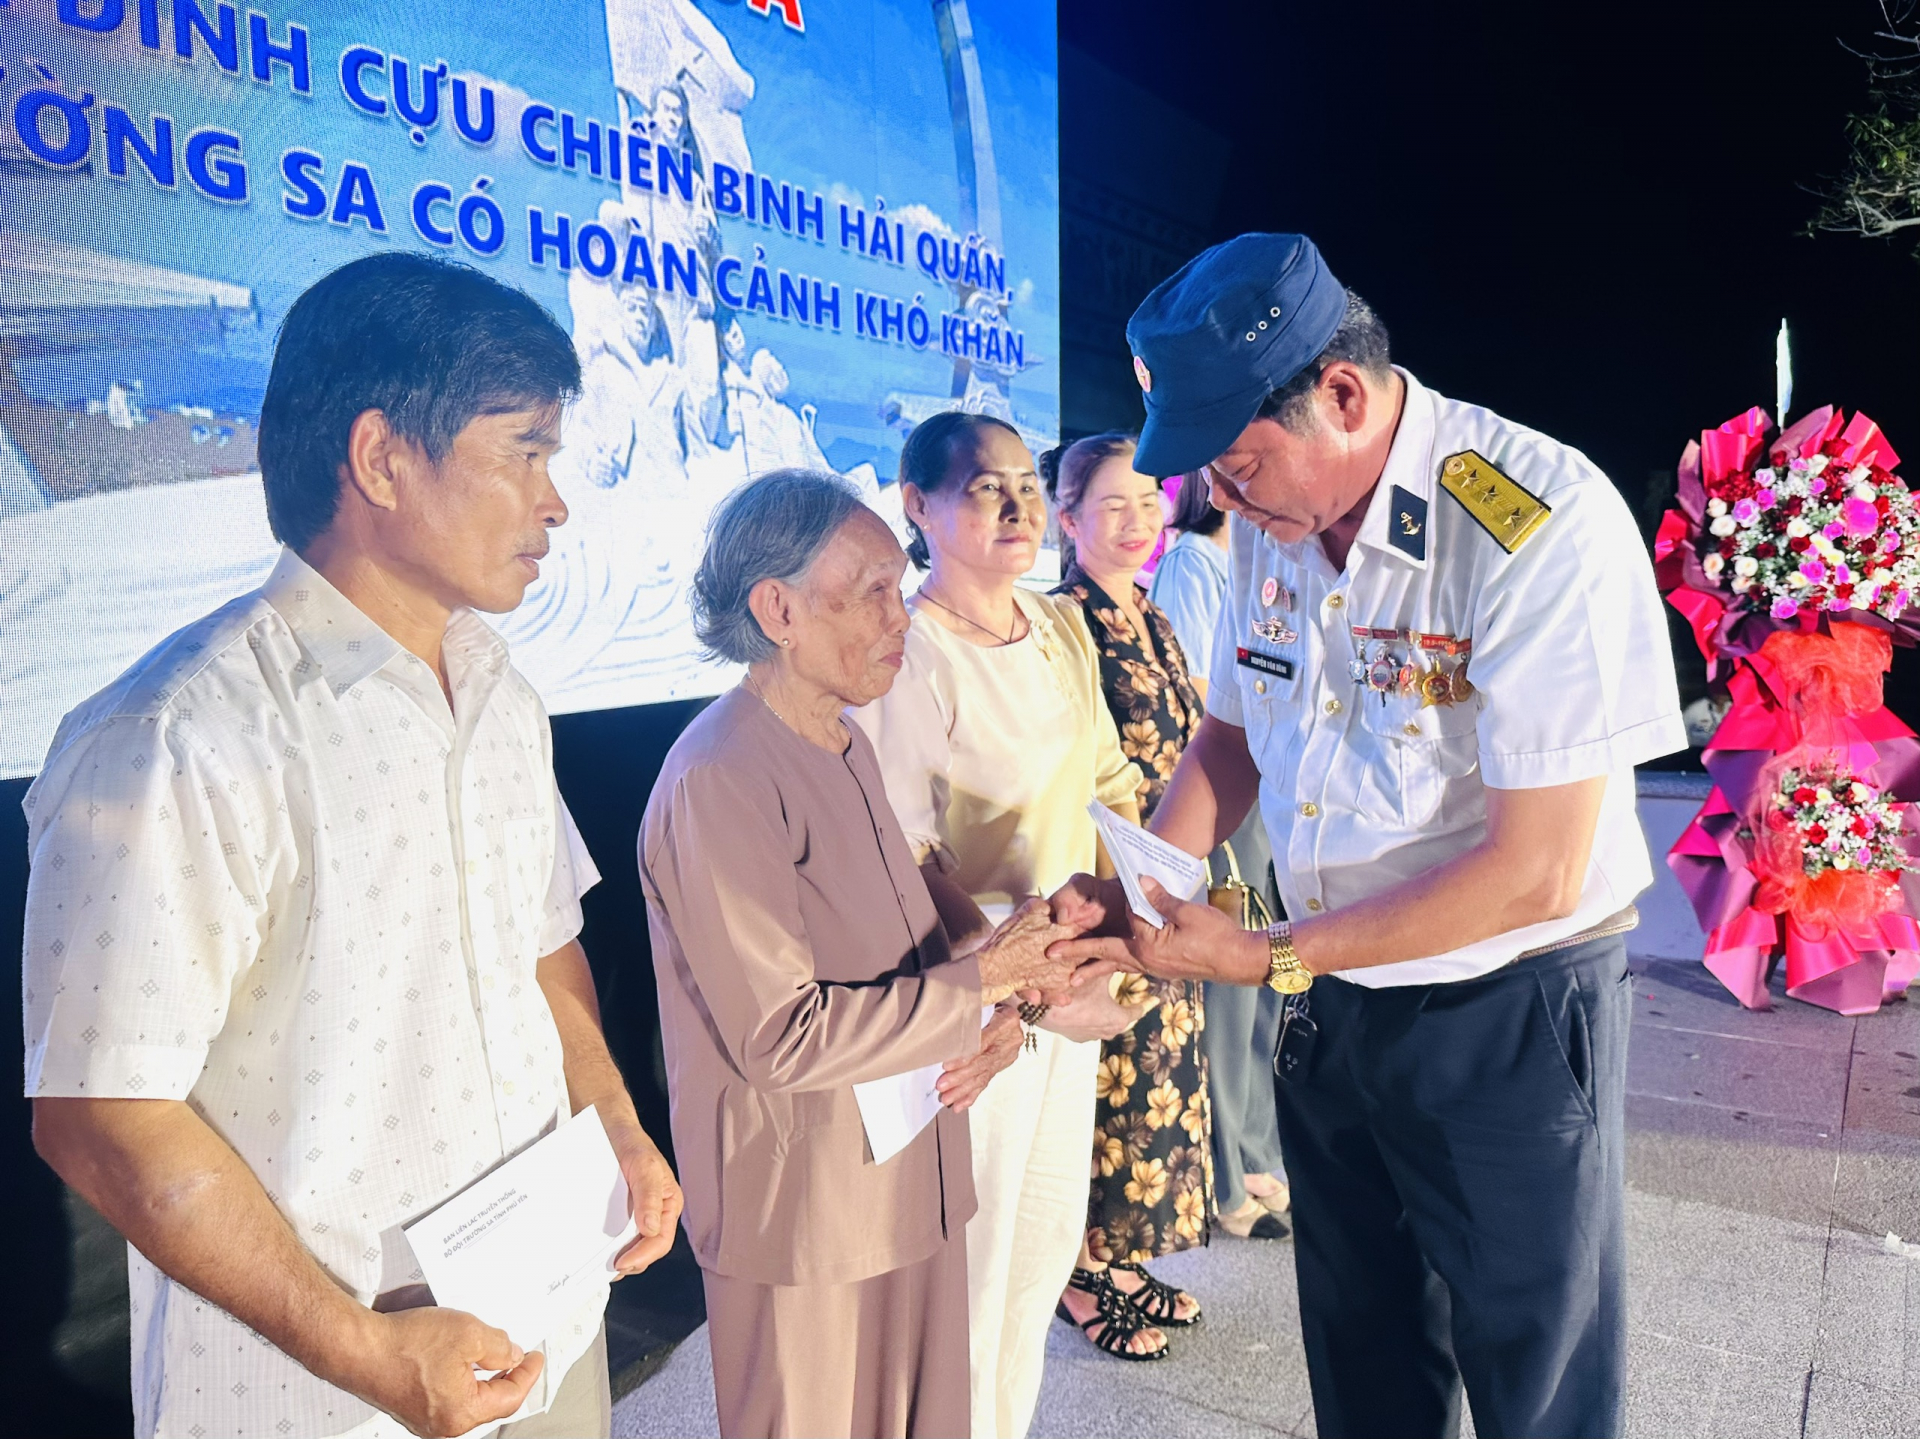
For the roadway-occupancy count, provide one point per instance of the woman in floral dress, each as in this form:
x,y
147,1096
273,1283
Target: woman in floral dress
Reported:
x,y
1152,1174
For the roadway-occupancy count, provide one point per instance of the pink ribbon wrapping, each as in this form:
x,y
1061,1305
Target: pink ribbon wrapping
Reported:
x,y
1851,974
1852,971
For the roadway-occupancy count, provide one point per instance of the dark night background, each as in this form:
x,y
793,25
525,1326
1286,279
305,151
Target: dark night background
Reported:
x,y
1589,219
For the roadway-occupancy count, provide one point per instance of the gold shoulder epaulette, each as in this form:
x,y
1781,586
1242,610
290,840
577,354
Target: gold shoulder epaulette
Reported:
x,y
1506,509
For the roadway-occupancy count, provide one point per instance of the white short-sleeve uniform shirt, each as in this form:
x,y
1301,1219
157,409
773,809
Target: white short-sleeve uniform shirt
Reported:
x,y
1570,667
273,875
1188,587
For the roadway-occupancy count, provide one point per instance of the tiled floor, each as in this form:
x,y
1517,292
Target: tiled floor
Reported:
x,y
1770,1156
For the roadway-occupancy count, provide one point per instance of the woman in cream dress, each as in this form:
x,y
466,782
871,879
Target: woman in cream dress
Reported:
x,y
991,744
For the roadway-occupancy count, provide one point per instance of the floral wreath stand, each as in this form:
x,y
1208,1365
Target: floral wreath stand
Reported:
x,y
1853,972
1806,691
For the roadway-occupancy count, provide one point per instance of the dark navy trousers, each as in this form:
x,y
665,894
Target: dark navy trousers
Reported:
x,y
1456,1156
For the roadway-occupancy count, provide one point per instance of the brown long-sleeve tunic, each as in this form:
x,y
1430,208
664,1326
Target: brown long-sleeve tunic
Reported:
x,y
798,953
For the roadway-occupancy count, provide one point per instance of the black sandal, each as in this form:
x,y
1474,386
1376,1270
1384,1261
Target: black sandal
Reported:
x,y
1157,1301
1119,1318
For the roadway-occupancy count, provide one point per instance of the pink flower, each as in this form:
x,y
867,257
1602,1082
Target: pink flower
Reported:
x,y
1745,511
1764,498
1890,541
1816,486
1860,516
1815,572
1784,609
1838,604
1833,530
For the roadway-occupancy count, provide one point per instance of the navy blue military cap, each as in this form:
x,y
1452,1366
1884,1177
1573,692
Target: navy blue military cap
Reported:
x,y
1217,337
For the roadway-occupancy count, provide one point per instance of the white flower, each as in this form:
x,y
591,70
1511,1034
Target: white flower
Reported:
x,y
1746,566
1764,477
1861,794
1823,796
1796,580
1879,576
1816,464
1840,861
1797,528
1858,476
1864,490
1723,526
1861,599
1713,564
1716,507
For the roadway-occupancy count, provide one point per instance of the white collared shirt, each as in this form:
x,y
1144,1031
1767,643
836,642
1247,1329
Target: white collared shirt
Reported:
x,y
276,877
990,754
1188,587
1571,672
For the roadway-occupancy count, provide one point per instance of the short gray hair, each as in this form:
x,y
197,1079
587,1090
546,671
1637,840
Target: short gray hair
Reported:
x,y
772,528
1361,340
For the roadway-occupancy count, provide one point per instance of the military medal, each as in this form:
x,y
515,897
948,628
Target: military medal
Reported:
x,y
1458,684
1357,666
1382,676
1274,631
1432,685
1383,670
1440,686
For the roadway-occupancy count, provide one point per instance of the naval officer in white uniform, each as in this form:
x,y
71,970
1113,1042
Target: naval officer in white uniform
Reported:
x,y
1441,656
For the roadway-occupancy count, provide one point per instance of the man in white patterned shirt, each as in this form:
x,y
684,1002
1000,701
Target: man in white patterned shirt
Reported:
x,y
300,940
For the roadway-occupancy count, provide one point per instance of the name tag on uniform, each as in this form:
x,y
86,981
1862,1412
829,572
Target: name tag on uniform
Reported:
x,y
1265,663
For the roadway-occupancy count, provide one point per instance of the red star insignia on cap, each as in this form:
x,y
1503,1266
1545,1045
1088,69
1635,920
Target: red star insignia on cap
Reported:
x,y
1143,375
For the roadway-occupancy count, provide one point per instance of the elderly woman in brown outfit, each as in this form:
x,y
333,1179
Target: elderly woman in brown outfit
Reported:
x,y
800,952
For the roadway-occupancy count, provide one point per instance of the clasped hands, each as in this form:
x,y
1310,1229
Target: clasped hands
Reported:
x,y
1055,949
1061,952
1196,942
1017,968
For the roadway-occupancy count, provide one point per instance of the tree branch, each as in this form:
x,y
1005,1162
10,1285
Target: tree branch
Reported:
x,y
1877,195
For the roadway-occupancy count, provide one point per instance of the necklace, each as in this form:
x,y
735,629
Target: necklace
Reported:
x,y
753,688
1005,639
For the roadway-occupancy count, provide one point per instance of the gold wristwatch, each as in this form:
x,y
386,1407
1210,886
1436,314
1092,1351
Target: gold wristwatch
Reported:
x,y
1285,973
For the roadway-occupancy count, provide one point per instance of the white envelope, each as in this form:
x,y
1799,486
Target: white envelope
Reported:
x,y
524,1245
1137,855
894,1110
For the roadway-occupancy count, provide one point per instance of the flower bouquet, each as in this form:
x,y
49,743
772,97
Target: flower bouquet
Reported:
x,y
1795,558
1831,849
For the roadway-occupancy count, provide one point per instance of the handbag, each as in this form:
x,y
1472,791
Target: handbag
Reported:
x,y
1234,897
